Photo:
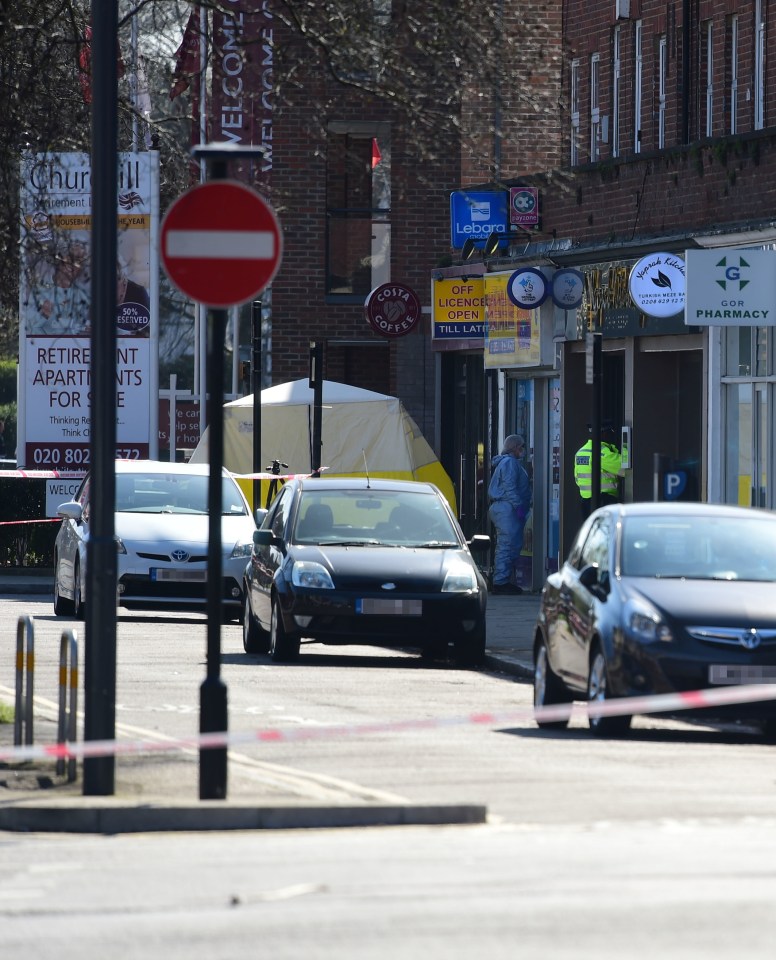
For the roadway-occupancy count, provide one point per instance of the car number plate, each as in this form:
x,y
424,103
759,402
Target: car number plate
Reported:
x,y
730,674
178,576
387,606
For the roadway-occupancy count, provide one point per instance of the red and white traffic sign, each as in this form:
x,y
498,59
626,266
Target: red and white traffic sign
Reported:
x,y
221,243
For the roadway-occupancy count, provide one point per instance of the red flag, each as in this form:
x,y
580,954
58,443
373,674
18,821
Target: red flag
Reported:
x,y
187,65
85,64
376,155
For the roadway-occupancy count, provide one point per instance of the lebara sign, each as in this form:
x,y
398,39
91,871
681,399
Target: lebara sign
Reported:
x,y
731,287
474,215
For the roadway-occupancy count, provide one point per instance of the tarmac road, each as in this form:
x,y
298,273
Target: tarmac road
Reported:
x,y
153,796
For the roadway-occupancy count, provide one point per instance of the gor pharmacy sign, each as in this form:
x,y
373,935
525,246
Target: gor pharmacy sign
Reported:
x,y
731,287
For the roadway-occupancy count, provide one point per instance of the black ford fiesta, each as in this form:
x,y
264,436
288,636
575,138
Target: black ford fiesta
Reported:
x,y
360,561
661,598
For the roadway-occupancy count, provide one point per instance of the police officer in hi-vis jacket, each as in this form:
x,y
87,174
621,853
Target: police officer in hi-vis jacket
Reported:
x,y
611,466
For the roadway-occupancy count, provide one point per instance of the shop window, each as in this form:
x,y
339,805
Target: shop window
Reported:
x,y
358,198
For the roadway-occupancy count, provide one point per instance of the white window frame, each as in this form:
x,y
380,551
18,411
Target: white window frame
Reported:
x,y
734,73
759,67
595,107
638,75
709,79
661,93
616,73
574,103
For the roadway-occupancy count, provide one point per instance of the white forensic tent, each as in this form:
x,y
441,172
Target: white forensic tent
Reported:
x,y
361,431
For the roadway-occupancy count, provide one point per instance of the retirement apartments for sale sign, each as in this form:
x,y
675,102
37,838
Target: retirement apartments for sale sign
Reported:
x,y
731,287
55,308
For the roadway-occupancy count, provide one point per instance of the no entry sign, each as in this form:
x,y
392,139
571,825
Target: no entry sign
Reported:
x,y
221,243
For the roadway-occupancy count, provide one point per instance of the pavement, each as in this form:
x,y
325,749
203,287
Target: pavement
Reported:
x,y
160,792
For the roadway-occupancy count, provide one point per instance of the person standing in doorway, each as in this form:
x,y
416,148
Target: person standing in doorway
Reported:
x,y
510,498
611,466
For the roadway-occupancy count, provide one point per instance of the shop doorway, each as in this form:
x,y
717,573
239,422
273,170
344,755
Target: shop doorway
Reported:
x,y
464,423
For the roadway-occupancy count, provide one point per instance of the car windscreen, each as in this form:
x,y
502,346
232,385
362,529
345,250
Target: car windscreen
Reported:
x,y
374,517
699,547
173,493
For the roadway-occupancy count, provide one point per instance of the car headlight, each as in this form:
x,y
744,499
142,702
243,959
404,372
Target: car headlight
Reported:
x,y
459,578
120,548
308,573
642,621
242,548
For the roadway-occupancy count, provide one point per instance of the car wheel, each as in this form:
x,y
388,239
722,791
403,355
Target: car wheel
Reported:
x,y
255,640
79,607
282,644
469,648
548,688
598,692
769,729
62,606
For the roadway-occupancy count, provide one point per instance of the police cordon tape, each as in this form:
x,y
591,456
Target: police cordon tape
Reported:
x,y
625,706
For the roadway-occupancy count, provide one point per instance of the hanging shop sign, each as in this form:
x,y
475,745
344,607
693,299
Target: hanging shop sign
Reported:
x,y
475,214
568,288
528,288
392,310
524,206
657,284
458,308
731,287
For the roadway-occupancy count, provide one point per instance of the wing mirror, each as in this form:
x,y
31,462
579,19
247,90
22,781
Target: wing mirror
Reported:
x,y
70,511
595,581
263,538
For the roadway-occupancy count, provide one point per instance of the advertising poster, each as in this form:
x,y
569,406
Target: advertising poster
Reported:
x,y
512,335
55,309
458,309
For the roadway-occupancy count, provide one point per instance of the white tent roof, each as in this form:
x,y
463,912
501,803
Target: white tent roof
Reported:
x,y
362,432
300,392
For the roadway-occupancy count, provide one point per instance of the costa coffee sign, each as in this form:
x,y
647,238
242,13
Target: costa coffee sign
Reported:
x,y
392,310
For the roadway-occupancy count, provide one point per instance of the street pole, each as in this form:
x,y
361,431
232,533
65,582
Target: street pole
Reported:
x,y
213,693
101,563
213,716
256,387
316,383
595,453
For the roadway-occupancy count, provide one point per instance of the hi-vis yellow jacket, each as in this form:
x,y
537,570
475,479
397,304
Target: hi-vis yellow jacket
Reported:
x,y
611,462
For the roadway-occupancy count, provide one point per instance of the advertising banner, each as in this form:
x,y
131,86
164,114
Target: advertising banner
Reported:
x,y
512,334
55,308
731,287
458,309
243,88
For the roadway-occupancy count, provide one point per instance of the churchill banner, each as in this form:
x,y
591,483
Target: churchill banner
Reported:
x,y
731,287
55,318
